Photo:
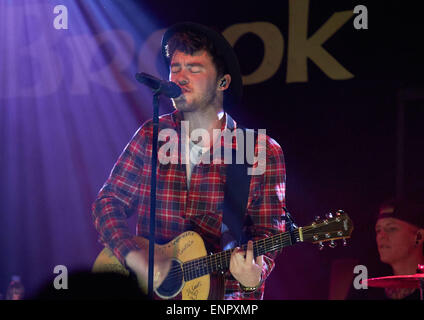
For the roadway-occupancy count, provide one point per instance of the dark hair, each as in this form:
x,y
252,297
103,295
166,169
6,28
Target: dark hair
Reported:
x,y
190,42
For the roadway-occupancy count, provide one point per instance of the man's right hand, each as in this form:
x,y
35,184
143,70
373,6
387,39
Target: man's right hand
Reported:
x,y
138,261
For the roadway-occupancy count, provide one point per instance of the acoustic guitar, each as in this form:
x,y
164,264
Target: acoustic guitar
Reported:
x,y
195,275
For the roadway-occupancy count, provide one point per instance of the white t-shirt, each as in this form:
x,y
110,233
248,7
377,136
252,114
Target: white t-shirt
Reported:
x,y
193,158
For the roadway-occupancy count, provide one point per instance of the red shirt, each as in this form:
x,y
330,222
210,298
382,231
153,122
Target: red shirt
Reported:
x,y
127,191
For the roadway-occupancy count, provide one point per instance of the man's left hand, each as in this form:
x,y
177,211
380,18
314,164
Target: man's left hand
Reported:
x,y
244,268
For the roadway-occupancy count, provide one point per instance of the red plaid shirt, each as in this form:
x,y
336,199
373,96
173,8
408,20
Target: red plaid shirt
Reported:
x,y
127,191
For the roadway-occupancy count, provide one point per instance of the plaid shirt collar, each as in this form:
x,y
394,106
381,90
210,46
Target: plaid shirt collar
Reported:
x,y
229,124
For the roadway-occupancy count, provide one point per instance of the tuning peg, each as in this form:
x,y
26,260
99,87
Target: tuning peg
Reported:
x,y
329,215
317,218
339,212
344,242
332,244
320,246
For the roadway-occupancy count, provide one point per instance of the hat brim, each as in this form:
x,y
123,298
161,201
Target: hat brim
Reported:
x,y
234,93
407,211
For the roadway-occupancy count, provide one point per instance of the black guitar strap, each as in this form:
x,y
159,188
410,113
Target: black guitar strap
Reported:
x,y
236,194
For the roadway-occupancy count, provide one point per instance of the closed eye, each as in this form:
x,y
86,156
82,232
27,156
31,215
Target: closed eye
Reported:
x,y
195,69
175,69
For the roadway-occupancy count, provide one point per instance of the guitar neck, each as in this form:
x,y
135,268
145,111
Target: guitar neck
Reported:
x,y
221,261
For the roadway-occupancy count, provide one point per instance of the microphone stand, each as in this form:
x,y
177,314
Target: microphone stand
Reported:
x,y
171,90
156,94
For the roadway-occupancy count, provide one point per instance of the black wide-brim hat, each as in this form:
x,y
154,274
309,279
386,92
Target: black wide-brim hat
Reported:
x,y
233,94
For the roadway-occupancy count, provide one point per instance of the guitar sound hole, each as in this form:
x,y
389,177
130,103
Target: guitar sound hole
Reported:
x,y
172,284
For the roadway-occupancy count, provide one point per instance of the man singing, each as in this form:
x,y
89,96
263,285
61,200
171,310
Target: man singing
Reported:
x,y
190,192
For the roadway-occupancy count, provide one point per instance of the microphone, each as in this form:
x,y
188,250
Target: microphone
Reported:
x,y
168,88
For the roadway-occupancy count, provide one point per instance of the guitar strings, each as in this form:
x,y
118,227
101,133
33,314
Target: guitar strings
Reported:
x,y
193,267
189,269
196,268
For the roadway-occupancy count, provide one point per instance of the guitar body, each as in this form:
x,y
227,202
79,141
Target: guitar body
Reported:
x,y
187,246
194,275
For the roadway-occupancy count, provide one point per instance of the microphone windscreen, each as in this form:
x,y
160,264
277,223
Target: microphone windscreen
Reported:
x,y
172,90
168,88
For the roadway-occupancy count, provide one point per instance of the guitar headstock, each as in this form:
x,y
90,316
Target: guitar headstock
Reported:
x,y
337,227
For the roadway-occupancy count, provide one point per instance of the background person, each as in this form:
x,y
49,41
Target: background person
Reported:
x,y
399,238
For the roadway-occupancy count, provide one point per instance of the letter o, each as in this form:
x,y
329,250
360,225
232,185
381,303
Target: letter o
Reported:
x,y
273,47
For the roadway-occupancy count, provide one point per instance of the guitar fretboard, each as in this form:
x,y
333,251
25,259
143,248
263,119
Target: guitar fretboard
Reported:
x,y
221,261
